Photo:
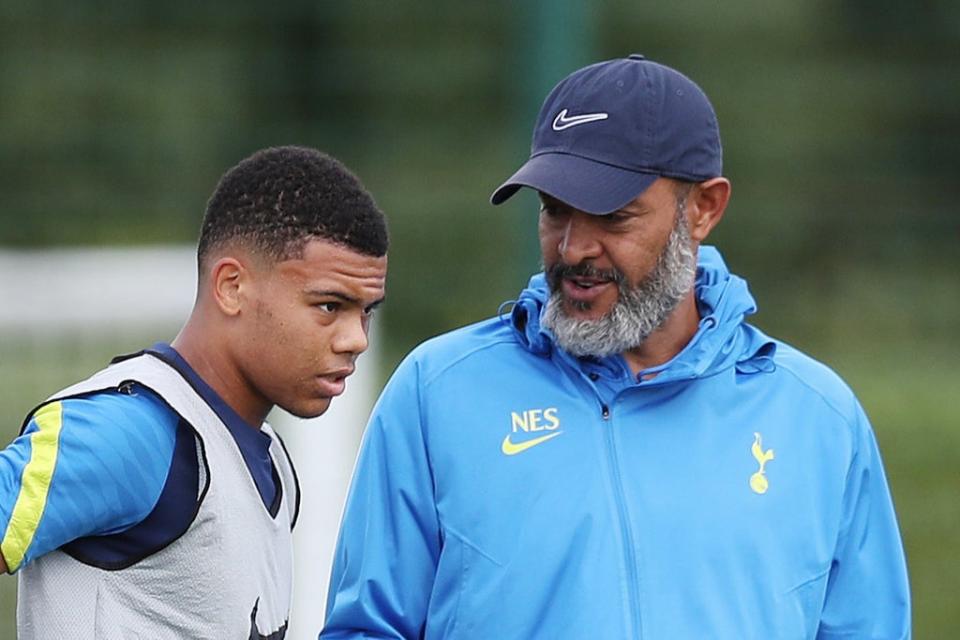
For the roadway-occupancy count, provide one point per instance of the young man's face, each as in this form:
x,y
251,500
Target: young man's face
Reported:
x,y
309,321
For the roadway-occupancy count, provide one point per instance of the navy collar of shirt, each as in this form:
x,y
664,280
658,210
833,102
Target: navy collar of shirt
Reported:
x,y
254,444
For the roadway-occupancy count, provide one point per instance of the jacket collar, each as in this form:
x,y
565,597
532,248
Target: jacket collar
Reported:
x,y
723,338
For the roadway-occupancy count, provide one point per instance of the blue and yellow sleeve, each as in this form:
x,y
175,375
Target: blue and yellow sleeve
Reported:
x,y
93,465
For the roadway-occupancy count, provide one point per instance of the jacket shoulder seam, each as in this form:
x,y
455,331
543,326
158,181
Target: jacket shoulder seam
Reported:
x,y
829,403
463,356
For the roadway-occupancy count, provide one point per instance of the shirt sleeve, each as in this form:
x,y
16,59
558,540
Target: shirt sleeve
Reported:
x,y
867,595
84,466
386,556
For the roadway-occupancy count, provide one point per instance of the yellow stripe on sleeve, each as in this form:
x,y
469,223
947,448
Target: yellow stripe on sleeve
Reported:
x,y
34,485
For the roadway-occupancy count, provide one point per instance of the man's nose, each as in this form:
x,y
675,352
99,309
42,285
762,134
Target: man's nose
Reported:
x,y
352,335
580,240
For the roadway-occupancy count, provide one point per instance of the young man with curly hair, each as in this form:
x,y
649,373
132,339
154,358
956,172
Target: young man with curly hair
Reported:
x,y
152,500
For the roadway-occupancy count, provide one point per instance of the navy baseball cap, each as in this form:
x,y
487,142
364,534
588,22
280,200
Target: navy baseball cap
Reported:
x,y
609,130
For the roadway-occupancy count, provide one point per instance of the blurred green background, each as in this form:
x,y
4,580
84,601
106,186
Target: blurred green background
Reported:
x,y
841,129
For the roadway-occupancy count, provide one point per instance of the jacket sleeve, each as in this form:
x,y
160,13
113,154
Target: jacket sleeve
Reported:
x,y
867,595
386,555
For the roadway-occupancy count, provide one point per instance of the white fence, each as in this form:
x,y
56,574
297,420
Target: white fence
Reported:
x,y
105,301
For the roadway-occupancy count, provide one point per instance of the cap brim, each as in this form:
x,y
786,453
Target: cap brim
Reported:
x,y
584,184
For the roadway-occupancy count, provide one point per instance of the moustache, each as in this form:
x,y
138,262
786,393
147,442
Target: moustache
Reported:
x,y
558,271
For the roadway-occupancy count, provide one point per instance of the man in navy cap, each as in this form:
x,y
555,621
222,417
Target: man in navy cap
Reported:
x,y
621,455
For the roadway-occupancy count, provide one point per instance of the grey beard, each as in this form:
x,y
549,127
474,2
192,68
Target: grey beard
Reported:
x,y
638,311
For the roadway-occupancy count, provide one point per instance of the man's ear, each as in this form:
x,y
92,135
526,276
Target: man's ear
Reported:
x,y
228,277
705,208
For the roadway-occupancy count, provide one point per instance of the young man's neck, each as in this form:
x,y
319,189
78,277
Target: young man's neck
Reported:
x,y
213,363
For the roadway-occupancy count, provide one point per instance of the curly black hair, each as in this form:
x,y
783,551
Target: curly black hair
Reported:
x,y
279,198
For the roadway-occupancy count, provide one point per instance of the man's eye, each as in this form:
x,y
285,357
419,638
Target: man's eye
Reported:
x,y
551,211
328,307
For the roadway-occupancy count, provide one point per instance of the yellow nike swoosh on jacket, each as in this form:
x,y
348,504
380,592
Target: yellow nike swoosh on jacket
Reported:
x,y
509,448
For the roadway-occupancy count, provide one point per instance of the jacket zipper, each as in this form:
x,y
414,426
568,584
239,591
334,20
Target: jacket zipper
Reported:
x,y
633,580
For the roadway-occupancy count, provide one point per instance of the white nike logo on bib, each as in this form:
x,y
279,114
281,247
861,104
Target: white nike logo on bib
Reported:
x,y
562,122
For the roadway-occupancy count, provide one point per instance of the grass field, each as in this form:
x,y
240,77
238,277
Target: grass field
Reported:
x,y
911,397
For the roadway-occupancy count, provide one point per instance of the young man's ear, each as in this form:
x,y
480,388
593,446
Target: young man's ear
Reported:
x,y
227,276
706,205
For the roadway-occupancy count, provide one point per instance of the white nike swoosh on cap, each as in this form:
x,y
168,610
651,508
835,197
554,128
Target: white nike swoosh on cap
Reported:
x,y
562,122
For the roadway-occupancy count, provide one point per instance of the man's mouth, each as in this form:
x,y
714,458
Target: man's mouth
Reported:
x,y
586,282
584,290
334,383
581,285
583,275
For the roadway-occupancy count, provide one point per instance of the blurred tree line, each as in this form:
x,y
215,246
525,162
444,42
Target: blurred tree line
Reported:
x,y
840,123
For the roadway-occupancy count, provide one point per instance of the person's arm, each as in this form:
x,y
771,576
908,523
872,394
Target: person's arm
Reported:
x,y
27,467
389,543
86,466
868,595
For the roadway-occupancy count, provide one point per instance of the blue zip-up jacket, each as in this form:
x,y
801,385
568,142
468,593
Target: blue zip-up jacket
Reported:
x,y
508,490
